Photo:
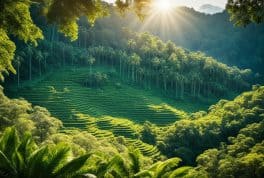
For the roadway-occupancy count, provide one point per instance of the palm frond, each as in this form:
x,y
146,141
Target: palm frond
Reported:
x,y
72,167
180,172
167,166
36,164
27,147
57,158
9,142
144,174
6,167
134,156
118,165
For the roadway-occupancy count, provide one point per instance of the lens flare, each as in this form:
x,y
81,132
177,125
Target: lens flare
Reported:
x,y
163,5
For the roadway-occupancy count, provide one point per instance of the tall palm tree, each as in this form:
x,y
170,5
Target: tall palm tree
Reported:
x,y
91,61
45,56
23,159
18,59
29,51
39,57
134,61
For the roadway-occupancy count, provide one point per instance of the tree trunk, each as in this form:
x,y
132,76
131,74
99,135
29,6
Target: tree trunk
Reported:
x,y
176,89
63,55
30,74
120,68
90,69
39,68
18,76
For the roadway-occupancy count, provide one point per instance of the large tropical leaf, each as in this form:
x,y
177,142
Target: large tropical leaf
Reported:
x,y
118,165
134,156
57,157
167,166
144,174
6,167
27,147
180,172
36,164
9,142
73,167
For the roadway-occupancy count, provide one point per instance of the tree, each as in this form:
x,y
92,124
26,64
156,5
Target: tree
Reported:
x,y
45,56
18,59
244,12
134,61
29,51
7,48
90,61
148,134
39,57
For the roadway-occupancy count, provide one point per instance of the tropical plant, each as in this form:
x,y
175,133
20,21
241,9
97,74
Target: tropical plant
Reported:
x,y
22,158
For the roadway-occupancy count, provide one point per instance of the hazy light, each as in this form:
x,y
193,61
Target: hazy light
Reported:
x,y
163,6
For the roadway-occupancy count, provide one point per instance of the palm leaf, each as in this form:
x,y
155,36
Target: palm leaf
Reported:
x,y
144,174
118,164
9,142
167,166
36,164
18,162
57,158
135,160
101,168
72,167
6,167
26,147
180,172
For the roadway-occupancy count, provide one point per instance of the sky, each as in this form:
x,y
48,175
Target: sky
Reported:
x,y
195,3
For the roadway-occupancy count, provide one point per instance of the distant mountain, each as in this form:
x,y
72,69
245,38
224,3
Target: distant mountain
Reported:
x,y
210,9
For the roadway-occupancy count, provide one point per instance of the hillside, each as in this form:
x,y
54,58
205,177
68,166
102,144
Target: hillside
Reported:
x,y
190,29
132,89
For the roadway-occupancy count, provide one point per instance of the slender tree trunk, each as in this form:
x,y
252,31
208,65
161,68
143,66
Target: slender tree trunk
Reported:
x,y
39,68
182,89
52,39
164,83
176,89
90,69
120,68
18,76
63,55
45,64
30,71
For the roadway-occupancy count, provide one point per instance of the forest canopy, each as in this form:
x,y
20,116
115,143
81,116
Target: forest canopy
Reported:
x,y
16,20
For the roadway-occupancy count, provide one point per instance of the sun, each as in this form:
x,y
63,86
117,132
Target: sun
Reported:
x,y
163,5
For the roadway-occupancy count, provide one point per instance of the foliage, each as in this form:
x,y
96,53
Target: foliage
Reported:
x,y
189,137
25,118
148,134
6,54
150,64
245,12
96,80
24,159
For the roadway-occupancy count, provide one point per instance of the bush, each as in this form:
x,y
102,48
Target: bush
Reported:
x,y
96,80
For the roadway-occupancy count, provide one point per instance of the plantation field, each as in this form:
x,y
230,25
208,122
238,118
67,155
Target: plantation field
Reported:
x,y
104,112
62,93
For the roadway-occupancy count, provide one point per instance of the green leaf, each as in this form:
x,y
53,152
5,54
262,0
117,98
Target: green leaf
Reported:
x,y
72,167
6,166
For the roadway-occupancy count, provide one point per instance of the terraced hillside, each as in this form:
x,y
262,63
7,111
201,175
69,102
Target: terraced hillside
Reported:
x,y
64,96
108,112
